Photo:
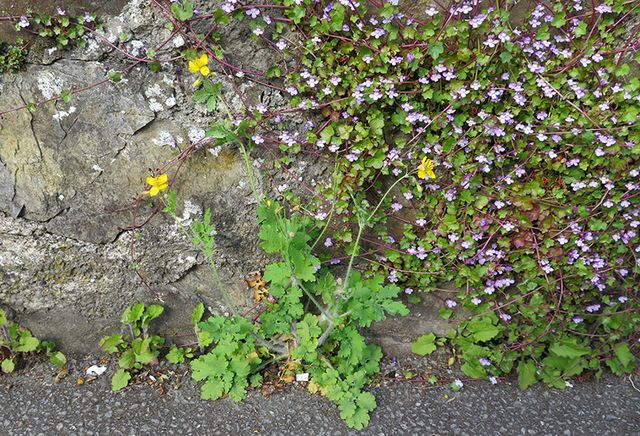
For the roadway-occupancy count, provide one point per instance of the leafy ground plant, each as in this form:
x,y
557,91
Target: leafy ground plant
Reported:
x,y
17,342
137,350
306,318
12,56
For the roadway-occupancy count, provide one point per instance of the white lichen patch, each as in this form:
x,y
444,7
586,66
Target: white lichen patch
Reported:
x,y
136,47
155,105
189,212
48,84
196,134
60,114
178,41
92,45
154,91
164,138
215,151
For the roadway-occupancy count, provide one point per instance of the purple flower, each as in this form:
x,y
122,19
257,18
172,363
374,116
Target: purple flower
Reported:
x,y
592,308
450,303
24,22
577,319
253,12
328,242
484,361
396,207
505,317
475,301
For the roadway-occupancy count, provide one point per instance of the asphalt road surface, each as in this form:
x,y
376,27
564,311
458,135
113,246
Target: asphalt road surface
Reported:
x,y
31,404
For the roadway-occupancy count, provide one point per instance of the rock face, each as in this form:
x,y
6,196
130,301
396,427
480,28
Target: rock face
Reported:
x,y
69,172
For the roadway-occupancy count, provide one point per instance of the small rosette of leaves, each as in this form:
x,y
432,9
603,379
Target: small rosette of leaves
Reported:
x,y
17,342
139,349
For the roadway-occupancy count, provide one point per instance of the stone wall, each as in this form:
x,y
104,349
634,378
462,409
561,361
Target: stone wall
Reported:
x,y
69,172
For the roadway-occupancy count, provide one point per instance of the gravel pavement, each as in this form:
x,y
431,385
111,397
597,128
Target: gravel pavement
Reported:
x,y
30,404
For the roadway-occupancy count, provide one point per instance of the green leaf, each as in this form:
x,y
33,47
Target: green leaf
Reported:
x,y
26,343
127,359
277,273
58,359
424,345
8,365
506,57
111,344
580,29
198,313
212,390
132,314
120,380
435,50
481,202
559,20
622,70
526,374
171,203
151,313
483,330
624,355
568,348
182,11
176,355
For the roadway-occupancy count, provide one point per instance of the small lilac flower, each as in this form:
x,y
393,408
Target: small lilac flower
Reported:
x,y
603,9
24,22
493,380
408,291
253,12
450,303
475,301
484,361
505,317
328,242
592,308
396,207
457,382
431,11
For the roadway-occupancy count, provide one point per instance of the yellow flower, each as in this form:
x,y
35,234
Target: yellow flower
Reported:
x,y
426,169
200,65
157,184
